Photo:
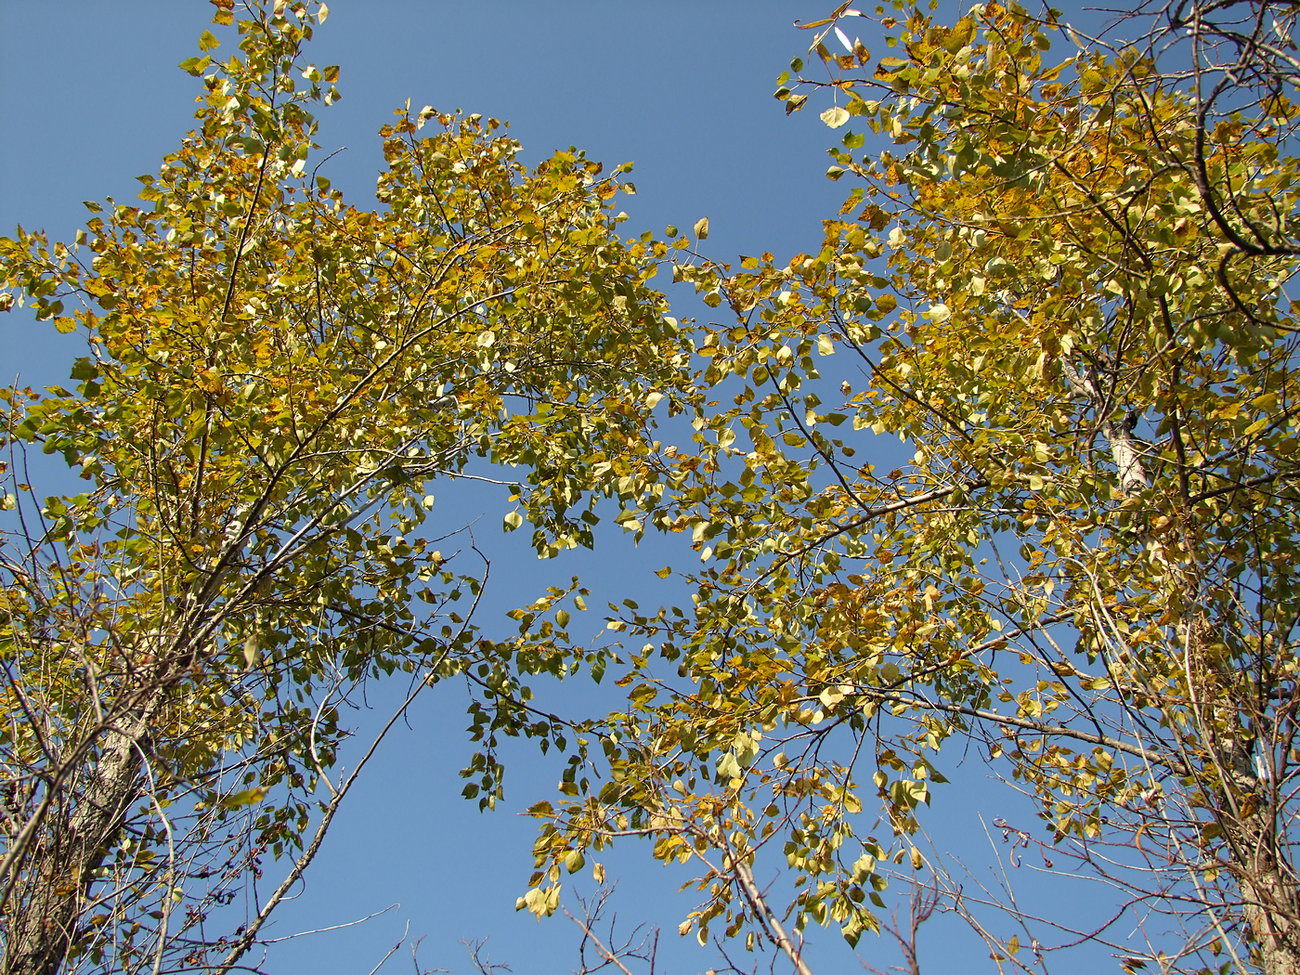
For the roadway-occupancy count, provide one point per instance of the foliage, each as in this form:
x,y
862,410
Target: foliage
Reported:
x,y
274,378
1063,286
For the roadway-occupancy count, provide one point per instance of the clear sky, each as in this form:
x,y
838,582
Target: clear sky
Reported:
x,y
90,98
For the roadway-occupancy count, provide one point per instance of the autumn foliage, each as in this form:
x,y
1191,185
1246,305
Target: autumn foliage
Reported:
x,y
274,379
1004,474
1060,280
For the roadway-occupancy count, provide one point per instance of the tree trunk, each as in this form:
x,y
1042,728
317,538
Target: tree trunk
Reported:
x,y
1271,902
57,872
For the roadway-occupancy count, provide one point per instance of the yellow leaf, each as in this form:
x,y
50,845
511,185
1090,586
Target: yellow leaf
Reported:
x,y
246,797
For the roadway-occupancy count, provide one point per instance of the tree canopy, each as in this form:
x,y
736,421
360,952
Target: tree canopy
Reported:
x,y
274,380
1002,475
1063,286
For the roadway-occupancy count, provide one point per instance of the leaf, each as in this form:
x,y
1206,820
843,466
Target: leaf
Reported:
x,y
245,797
729,767
252,649
835,117
702,228
224,13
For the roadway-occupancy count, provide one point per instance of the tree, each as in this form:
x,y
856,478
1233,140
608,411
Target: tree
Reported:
x,y
1063,285
274,378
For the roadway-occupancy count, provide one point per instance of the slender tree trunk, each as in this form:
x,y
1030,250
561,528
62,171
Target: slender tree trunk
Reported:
x,y
58,870
1271,899
1274,922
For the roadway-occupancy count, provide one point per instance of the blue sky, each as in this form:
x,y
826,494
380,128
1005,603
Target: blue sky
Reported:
x,y
90,98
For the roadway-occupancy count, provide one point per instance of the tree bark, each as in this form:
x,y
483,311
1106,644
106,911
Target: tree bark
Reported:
x,y
1271,899
56,875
